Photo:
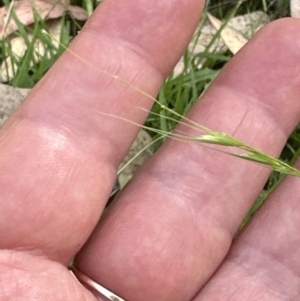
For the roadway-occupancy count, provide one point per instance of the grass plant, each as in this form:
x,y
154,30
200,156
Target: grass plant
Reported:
x,y
177,94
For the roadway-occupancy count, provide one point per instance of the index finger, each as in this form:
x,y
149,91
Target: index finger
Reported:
x,y
58,155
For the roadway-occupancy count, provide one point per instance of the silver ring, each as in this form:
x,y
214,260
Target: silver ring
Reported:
x,y
82,278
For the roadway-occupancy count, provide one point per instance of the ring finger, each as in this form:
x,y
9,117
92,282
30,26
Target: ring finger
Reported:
x,y
173,225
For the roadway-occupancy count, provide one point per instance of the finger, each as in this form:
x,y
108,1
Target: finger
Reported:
x,y
58,154
173,225
264,261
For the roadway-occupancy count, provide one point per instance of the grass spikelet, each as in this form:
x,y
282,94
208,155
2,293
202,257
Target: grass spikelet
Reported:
x,y
233,146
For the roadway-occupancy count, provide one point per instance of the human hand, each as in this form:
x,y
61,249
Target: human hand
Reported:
x,y
167,236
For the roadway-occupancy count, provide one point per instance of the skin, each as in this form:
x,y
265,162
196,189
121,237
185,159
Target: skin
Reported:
x,y
169,235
